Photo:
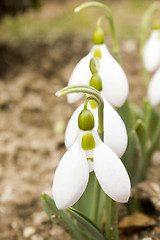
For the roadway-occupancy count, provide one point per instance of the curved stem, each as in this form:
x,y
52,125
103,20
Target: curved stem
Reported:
x,y
100,20
86,102
146,21
145,27
94,95
111,22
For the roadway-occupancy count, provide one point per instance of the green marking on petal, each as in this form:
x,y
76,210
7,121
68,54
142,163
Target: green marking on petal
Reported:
x,y
97,53
90,159
88,142
93,104
156,25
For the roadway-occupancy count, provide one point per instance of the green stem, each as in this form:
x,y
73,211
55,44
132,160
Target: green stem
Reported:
x,y
111,219
151,150
145,26
111,22
95,202
86,102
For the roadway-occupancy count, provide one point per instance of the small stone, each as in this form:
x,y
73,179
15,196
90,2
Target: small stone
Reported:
x,y
156,158
149,191
136,221
129,46
147,238
36,237
40,218
28,231
59,127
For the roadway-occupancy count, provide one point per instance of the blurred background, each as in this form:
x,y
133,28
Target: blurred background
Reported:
x,y
40,43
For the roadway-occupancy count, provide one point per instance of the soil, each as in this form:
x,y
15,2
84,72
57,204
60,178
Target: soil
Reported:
x,y
32,125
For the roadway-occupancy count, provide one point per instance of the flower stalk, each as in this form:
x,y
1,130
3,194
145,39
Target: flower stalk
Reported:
x,y
93,94
111,23
111,206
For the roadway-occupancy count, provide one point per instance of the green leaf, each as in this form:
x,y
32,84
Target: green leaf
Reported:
x,y
153,123
142,134
101,207
51,209
131,158
137,111
87,224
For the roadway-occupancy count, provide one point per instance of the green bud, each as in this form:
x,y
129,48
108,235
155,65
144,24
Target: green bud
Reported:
x,y
98,36
97,53
96,82
88,142
86,120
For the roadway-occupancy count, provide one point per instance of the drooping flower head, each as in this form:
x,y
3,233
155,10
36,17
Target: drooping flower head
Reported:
x,y
151,51
89,153
115,134
154,89
114,82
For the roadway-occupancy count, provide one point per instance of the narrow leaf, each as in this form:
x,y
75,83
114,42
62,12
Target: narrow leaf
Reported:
x,y
51,209
87,224
142,134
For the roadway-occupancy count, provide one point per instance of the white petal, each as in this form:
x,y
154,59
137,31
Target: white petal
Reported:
x,y
154,89
114,80
151,52
72,127
71,177
115,133
80,76
111,173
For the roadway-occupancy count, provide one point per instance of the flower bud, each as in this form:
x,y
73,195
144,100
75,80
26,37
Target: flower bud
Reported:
x,y
98,36
88,142
86,120
96,82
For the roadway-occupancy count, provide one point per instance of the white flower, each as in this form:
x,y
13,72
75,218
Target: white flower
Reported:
x,y
114,81
115,134
72,174
151,51
154,89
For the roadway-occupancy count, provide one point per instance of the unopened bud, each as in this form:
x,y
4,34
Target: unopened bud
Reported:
x,y
96,82
86,120
98,36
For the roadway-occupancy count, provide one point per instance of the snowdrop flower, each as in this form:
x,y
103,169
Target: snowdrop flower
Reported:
x,y
115,134
72,174
151,51
114,81
154,89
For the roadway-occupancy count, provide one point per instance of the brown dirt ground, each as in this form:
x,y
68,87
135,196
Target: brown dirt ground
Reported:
x,y
32,122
